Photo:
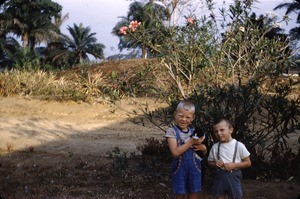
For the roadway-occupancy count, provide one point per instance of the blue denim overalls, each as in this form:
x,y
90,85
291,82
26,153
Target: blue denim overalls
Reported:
x,y
186,169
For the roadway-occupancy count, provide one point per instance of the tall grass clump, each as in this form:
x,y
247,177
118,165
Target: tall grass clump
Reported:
x,y
49,85
25,82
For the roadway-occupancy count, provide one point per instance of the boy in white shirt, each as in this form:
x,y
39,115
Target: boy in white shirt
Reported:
x,y
228,156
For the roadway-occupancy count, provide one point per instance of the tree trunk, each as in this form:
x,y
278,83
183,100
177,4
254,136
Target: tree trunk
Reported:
x,y
144,52
24,41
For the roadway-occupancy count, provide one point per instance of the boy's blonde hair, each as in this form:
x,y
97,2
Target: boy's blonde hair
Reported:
x,y
186,105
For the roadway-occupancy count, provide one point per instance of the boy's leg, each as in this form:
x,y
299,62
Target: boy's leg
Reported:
x,y
194,177
219,184
178,179
235,184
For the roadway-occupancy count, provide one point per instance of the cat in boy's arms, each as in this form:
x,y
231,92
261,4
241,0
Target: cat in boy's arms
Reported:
x,y
198,133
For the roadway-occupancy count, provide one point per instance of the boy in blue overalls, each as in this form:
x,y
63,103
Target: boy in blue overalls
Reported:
x,y
186,165
228,156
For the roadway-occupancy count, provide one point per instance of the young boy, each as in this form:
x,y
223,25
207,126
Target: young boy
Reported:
x,y
186,164
228,156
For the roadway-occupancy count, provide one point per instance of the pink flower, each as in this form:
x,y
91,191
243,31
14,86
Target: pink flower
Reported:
x,y
133,25
190,20
123,30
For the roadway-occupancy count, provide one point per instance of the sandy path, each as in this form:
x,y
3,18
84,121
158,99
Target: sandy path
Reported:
x,y
69,127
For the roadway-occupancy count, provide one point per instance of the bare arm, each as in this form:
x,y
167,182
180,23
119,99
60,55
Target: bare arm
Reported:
x,y
176,151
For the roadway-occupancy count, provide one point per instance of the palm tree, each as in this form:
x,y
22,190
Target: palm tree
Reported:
x,y
290,8
75,49
30,19
266,27
56,34
152,16
9,48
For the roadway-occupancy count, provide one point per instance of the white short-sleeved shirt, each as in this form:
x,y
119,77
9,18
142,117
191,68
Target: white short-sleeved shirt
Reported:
x,y
227,152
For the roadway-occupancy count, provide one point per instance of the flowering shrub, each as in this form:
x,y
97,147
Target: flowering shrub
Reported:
x,y
191,21
132,27
229,68
123,30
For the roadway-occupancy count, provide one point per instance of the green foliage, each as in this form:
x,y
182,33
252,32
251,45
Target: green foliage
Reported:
x,y
249,47
152,16
27,60
9,48
30,20
262,122
73,50
292,7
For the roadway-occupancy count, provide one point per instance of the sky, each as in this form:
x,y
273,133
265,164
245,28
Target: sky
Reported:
x,y
102,15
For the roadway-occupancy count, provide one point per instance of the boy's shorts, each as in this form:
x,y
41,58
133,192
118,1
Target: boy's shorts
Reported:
x,y
186,176
227,183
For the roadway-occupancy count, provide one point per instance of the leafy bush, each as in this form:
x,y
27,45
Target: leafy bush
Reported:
x,y
262,122
154,154
236,73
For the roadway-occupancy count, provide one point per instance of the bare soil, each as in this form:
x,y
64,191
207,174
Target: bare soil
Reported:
x,y
54,149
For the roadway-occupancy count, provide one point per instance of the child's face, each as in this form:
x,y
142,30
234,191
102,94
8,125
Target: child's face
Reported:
x,y
222,131
183,118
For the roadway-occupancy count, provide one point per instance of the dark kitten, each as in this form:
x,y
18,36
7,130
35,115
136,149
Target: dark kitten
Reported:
x,y
199,132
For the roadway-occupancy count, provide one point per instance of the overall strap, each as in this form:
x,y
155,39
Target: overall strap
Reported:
x,y
234,154
218,154
177,135
235,150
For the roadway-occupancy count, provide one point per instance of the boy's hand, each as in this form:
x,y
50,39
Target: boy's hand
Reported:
x,y
199,147
219,163
229,166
